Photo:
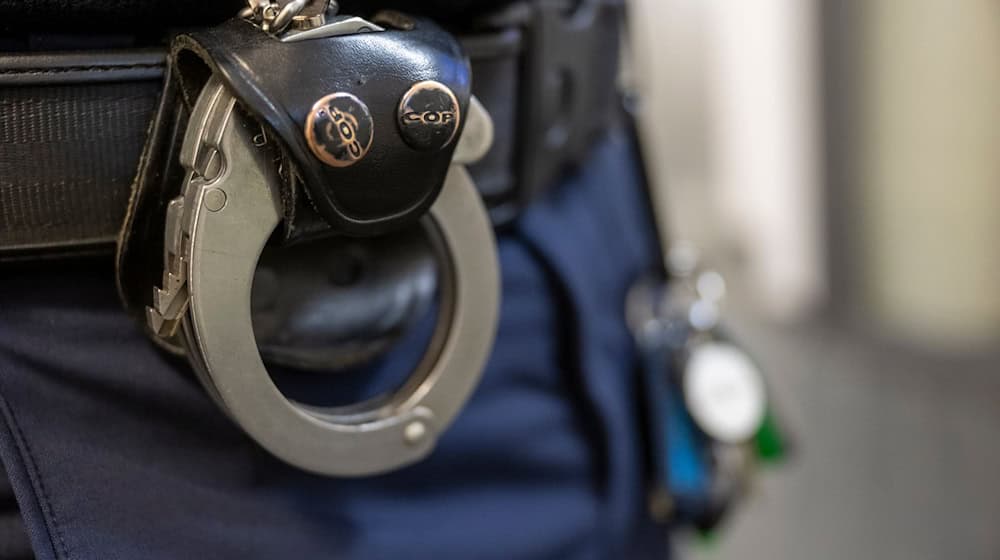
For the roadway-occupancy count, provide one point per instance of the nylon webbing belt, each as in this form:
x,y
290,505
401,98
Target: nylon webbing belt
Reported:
x,y
72,125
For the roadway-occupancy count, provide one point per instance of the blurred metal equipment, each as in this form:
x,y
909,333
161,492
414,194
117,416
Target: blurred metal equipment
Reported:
x,y
708,417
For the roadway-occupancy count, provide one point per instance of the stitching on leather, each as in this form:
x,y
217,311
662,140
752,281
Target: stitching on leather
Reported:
x,y
67,69
61,550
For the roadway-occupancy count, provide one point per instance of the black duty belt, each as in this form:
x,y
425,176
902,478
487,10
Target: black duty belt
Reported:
x,y
293,123
73,124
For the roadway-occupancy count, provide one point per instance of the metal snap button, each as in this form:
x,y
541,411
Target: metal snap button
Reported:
x,y
339,129
429,116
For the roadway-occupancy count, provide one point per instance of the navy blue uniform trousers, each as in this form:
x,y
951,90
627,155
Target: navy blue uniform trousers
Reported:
x,y
114,451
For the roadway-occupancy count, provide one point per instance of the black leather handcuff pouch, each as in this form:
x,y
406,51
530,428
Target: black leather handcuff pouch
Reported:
x,y
279,84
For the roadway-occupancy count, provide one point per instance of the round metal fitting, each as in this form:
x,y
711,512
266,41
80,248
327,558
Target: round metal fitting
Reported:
x,y
217,263
724,391
429,116
339,129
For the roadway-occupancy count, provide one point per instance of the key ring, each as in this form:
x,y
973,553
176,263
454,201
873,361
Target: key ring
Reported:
x,y
216,231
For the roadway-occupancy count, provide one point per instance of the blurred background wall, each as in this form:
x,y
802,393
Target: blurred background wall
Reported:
x,y
928,156
732,116
837,155
840,161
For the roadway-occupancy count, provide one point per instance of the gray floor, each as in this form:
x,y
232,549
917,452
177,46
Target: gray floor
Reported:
x,y
899,455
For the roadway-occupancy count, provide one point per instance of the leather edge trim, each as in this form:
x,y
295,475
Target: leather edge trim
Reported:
x,y
81,67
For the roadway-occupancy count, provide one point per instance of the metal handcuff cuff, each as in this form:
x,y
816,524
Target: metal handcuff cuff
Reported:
x,y
229,208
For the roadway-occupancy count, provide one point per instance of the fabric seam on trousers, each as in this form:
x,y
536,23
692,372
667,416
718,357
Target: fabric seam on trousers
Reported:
x,y
589,409
26,467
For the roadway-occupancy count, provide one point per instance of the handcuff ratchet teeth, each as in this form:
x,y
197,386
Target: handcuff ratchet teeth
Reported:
x,y
216,230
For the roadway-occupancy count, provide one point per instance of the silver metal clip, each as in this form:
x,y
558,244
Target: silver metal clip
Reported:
x,y
299,20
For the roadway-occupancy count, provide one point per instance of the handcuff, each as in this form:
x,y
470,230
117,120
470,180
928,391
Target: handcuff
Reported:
x,y
233,202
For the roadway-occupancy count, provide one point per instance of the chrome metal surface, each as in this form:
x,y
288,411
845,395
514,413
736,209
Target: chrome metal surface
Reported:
x,y
339,25
284,16
297,16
